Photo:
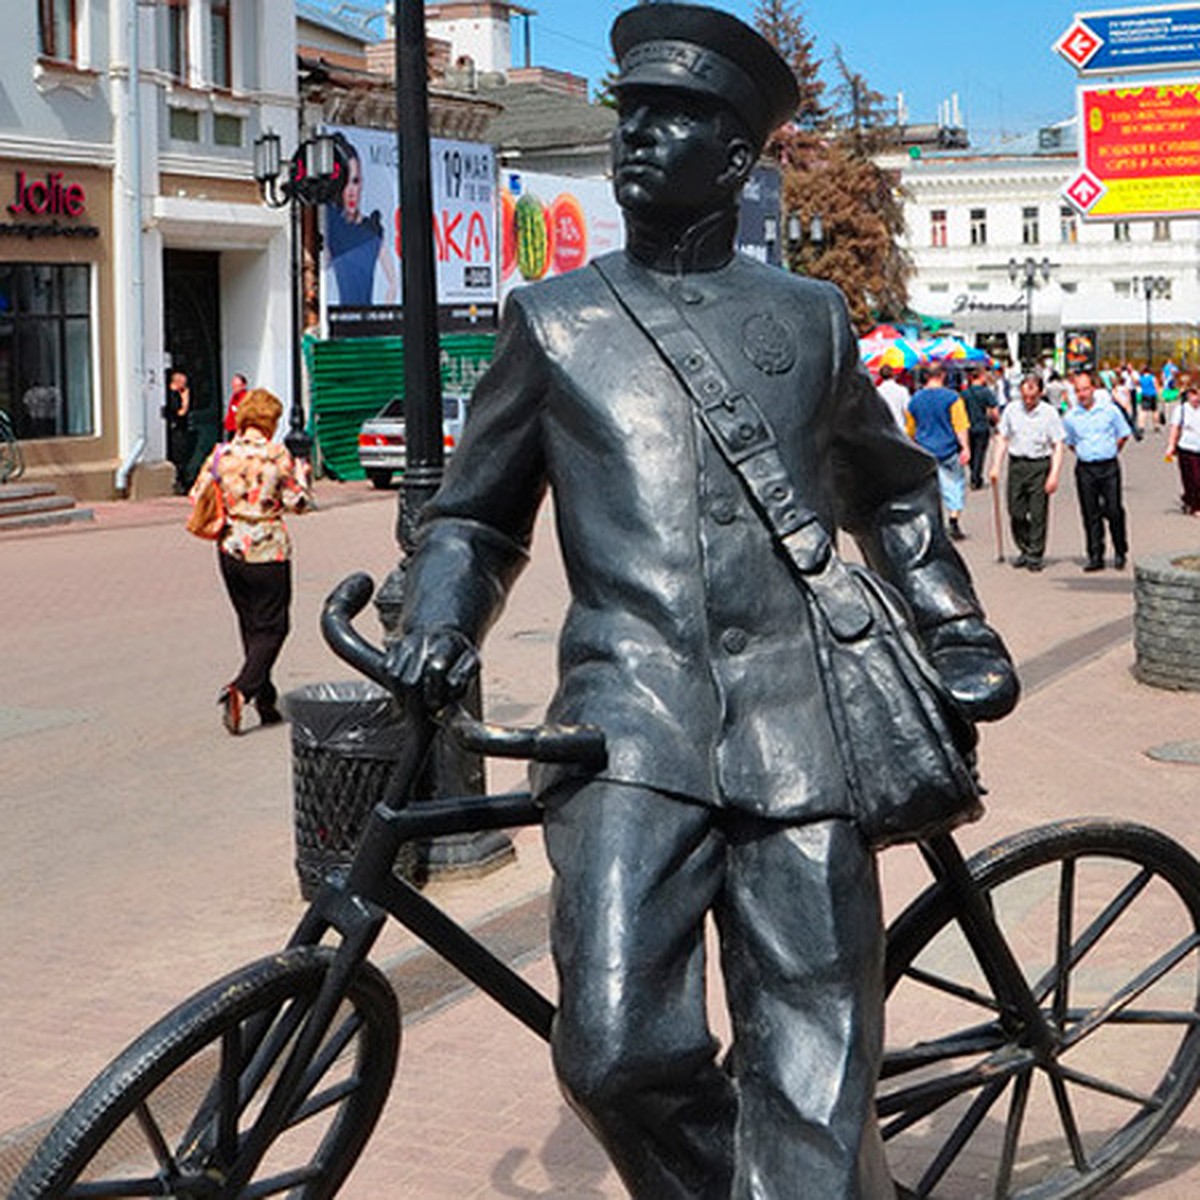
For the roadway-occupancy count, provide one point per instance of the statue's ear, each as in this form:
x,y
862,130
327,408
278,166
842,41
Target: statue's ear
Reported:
x,y
740,162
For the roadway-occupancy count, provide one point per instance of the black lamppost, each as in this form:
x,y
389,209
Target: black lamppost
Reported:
x,y
797,234
1027,274
311,176
1151,286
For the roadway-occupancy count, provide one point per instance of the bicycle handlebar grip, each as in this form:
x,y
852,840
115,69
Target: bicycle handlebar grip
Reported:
x,y
342,605
583,745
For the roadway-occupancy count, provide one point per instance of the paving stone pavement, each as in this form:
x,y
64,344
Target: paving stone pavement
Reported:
x,y
146,852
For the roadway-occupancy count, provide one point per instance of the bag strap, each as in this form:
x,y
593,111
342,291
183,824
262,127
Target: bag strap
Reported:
x,y
739,429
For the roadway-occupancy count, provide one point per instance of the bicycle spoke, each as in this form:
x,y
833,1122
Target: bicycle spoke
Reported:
x,y
330,1053
323,1100
1012,1133
1095,931
933,1093
1067,1116
1134,988
227,1095
1097,1084
1154,1016
960,1136
980,1039
959,990
1066,907
283,1182
154,1135
116,1189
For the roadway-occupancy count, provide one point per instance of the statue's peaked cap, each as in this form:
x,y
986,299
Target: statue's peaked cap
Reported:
x,y
693,48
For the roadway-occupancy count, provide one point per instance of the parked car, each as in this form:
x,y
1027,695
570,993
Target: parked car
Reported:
x,y
381,443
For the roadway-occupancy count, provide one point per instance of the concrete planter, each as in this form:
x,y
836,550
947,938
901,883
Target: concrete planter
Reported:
x,y
1166,620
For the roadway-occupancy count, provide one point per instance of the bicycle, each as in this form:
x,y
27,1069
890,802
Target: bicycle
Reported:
x,y
271,1079
12,460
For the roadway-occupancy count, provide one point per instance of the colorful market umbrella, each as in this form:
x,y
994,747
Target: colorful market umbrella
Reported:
x,y
953,349
900,354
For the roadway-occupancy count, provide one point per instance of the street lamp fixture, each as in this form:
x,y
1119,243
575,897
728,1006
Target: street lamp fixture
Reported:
x,y
1151,286
313,175
797,233
1028,273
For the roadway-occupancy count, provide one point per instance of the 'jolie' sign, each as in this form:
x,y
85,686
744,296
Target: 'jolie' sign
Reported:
x,y
48,197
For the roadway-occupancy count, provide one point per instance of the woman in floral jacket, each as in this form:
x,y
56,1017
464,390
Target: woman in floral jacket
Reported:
x,y
259,480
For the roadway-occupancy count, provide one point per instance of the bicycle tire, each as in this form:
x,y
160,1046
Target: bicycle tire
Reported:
x,y
139,1118
940,1096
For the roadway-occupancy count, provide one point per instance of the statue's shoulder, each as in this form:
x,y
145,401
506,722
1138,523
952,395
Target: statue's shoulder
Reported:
x,y
559,292
780,284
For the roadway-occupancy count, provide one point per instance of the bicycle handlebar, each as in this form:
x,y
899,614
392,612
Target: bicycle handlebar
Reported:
x,y
583,745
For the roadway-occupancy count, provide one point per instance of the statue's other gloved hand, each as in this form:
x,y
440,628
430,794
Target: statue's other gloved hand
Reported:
x,y
975,667
437,663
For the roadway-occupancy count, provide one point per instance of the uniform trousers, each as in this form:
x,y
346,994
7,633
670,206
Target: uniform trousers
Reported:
x,y
790,1110
262,595
979,440
1099,488
1028,504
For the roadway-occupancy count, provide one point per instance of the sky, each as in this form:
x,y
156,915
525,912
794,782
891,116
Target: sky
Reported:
x,y
998,57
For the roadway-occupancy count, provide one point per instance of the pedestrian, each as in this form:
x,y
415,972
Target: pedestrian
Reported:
x,y
1031,435
687,642
1057,392
937,419
238,386
179,432
982,414
1147,400
259,481
1183,442
1096,432
895,395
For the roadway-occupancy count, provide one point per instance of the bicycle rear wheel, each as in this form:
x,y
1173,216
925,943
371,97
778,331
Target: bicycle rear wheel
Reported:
x,y
176,1113
1103,919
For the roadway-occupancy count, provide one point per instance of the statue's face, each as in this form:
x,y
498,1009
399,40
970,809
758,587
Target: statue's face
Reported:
x,y
675,152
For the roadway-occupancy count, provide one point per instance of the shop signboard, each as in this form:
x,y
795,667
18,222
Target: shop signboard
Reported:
x,y
1139,151
361,277
1164,37
552,224
1080,347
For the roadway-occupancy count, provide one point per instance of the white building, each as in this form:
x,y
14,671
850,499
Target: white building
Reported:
x,y
135,237
973,216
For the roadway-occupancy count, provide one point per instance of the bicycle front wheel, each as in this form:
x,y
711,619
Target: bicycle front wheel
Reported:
x,y
1103,919
177,1112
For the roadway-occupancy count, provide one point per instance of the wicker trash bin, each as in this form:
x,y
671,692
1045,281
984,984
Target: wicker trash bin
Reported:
x,y
345,737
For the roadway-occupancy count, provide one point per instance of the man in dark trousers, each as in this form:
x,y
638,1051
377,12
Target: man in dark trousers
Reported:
x,y
982,413
688,643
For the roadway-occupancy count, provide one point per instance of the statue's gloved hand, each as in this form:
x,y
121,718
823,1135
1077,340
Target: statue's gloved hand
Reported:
x,y
438,663
975,667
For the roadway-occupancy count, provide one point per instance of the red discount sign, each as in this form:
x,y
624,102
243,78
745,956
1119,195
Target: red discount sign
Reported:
x,y
1140,150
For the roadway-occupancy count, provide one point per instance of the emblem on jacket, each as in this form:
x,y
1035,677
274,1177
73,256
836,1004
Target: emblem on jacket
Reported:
x,y
768,343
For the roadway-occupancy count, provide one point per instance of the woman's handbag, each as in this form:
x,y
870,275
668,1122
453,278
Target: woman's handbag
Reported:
x,y
208,518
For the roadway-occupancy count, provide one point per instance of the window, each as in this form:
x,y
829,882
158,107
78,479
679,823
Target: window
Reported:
x,y
1122,288
227,130
222,70
1068,224
1162,230
939,287
979,227
1030,235
183,125
1070,289
978,287
1122,231
56,29
175,38
937,227
46,349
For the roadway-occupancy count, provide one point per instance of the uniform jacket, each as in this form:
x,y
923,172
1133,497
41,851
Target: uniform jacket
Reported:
x,y
688,639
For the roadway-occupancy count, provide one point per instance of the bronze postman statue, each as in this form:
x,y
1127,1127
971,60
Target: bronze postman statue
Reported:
x,y
689,642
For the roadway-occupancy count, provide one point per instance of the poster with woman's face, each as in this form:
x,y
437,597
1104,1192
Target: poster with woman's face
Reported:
x,y
361,261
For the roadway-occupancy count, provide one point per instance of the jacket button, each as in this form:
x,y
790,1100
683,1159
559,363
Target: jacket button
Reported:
x,y
734,641
723,510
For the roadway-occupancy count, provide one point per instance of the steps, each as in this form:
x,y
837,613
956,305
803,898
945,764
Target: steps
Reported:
x,y
37,505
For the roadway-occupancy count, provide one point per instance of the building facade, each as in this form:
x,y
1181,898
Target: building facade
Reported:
x,y
134,239
999,251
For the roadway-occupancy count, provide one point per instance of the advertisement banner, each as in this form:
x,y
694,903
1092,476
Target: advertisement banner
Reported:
x,y
361,279
1139,151
1163,38
551,224
1080,347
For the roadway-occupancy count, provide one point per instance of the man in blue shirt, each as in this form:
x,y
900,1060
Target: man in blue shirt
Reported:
x,y
938,421
1096,432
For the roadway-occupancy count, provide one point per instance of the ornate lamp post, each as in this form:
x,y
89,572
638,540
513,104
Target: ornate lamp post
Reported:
x,y
313,175
797,235
1027,274
1151,286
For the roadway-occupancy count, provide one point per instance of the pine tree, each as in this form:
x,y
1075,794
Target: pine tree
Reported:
x,y
826,158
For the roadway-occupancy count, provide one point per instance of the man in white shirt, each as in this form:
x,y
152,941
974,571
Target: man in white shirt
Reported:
x,y
894,394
